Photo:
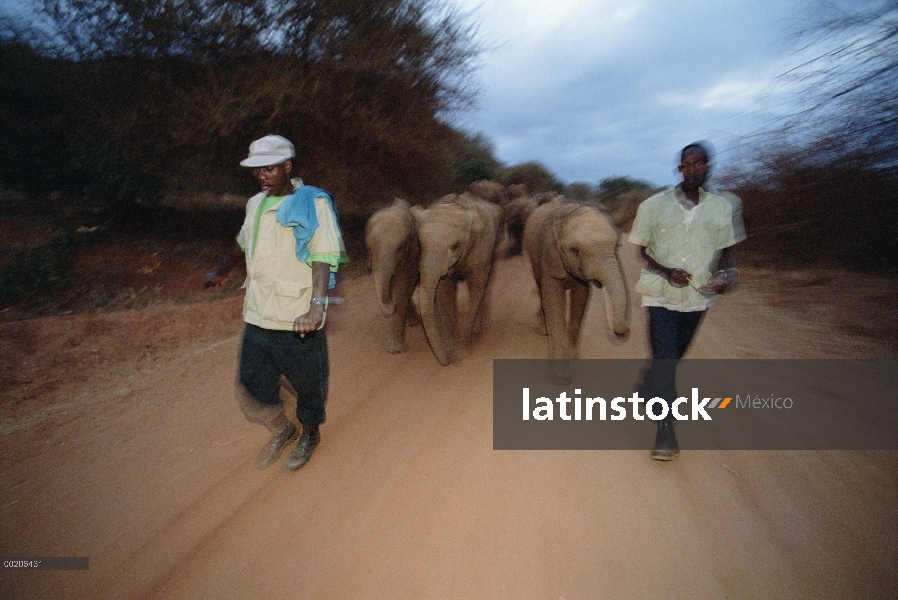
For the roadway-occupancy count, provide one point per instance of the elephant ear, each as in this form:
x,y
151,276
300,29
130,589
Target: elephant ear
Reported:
x,y
482,214
419,213
475,221
561,218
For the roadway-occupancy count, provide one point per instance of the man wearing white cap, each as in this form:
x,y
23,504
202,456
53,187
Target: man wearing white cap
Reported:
x,y
292,244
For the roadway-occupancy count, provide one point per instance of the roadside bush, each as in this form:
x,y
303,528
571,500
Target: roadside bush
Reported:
x,y
534,175
124,103
808,209
30,273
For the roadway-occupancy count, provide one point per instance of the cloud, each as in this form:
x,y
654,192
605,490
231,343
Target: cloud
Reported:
x,y
731,93
522,20
593,89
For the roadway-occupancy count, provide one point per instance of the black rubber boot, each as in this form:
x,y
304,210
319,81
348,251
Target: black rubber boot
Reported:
x,y
302,452
666,446
280,439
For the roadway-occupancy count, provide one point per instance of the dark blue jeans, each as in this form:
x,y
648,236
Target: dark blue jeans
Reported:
x,y
266,354
670,333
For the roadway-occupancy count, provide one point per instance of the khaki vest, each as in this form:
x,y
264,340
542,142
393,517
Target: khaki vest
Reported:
x,y
278,286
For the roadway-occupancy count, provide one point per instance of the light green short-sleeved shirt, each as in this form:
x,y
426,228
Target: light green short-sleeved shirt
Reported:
x,y
689,239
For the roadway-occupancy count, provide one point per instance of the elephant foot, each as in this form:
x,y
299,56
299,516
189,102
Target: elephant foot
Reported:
x,y
395,347
460,353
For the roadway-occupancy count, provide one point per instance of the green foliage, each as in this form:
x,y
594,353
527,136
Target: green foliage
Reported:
x,y
473,158
579,191
533,174
473,170
611,186
611,192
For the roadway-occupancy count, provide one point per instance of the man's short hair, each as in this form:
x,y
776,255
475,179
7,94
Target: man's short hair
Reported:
x,y
703,147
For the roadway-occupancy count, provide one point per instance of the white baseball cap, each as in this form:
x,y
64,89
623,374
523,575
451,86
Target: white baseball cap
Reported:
x,y
267,151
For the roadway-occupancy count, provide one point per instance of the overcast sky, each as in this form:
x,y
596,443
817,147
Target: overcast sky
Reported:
x,y
596,88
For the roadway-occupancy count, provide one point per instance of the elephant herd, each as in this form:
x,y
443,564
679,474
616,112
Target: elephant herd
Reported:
x,y
569,245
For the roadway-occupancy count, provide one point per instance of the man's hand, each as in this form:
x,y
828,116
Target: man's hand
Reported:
x,y
679,277
314,319
310,321
720,282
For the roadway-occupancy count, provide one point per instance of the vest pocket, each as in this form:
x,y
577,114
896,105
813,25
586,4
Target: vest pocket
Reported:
x,y
284,302
290,289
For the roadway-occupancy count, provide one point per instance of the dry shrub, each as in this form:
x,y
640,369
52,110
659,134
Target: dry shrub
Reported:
x,y
622,207
139,101
802,211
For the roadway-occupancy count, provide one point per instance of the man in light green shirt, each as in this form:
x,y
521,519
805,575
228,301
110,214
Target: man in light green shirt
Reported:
x,y
685,234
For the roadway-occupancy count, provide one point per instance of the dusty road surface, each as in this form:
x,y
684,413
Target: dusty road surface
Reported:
x,y
124,444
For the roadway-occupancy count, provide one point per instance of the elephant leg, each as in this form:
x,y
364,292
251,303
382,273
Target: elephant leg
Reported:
x,y
480,312
396,335
540,320
554,301
579,296
554,308
478,296
412,318
406,315
446,312
468,319
402,294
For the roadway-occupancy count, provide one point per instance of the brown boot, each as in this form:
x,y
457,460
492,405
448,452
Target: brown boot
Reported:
x,y
280,439
306,445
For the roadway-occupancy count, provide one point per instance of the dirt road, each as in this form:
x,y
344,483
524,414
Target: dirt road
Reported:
x,y
138,458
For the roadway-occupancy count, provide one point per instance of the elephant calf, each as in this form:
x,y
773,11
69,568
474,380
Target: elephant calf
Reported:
x,y
571,245
393,253
458,237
